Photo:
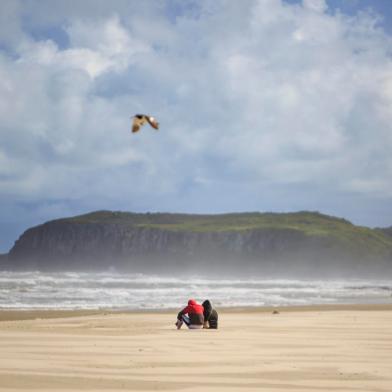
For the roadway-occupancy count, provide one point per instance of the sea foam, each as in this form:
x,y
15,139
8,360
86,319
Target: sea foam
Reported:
x,y
111,290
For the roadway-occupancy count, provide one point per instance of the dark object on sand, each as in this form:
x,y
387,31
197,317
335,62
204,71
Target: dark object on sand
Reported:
x,y
210,315
275,312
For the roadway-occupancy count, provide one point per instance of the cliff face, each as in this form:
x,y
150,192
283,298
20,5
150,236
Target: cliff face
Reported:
x,y
164,243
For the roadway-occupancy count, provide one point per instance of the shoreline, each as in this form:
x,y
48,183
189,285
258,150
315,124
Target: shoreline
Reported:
x,y
34,314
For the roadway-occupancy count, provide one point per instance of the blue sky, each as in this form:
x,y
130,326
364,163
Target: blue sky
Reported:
x,y
264,105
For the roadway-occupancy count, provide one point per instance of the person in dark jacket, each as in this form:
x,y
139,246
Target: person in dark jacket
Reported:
x,y
191,315
210,315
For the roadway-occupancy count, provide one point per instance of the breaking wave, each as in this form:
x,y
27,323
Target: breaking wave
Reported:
x,y
111,290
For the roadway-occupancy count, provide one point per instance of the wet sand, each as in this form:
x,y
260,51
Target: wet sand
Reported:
x,y
319,348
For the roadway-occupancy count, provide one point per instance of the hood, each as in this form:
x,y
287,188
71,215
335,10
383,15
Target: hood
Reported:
x,y
192,302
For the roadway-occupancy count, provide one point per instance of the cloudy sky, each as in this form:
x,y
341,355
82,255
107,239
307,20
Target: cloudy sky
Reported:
x,y
264,105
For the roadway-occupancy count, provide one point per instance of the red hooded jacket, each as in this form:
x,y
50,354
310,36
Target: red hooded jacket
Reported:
x,y
194,311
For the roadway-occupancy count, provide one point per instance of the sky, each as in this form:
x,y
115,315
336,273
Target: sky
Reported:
x,y
263,105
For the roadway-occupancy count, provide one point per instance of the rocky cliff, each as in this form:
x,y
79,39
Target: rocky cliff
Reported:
x,y
249,242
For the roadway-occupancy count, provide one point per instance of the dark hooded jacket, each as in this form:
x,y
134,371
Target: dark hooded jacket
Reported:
x,y
210,315
194,311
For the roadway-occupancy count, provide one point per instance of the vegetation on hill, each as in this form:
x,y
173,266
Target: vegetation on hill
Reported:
x,y
387,231
339,232
311,222
275,243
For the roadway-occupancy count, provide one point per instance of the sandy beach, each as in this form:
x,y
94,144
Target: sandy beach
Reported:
x,y
328,348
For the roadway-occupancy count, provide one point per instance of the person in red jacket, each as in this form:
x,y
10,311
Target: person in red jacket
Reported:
x,y
191,315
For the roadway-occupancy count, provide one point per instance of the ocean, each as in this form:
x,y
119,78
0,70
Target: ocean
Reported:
x,y
115,291
111,290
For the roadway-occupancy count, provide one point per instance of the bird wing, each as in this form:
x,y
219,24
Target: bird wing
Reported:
x,y
138,121
153,122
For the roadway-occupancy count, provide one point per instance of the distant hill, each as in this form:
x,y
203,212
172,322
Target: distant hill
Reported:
x,y
241,243
387,231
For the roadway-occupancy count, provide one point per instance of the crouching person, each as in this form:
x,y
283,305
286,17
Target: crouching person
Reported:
x,y
210,315
191,315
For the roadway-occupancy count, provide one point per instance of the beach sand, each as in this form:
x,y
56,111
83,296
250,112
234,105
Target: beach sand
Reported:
x,y
330,348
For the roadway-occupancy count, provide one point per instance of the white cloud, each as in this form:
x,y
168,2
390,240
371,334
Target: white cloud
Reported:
x,y
315,5
95,48
262,94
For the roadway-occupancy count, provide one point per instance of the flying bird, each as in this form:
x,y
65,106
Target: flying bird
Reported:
x,y
140,119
